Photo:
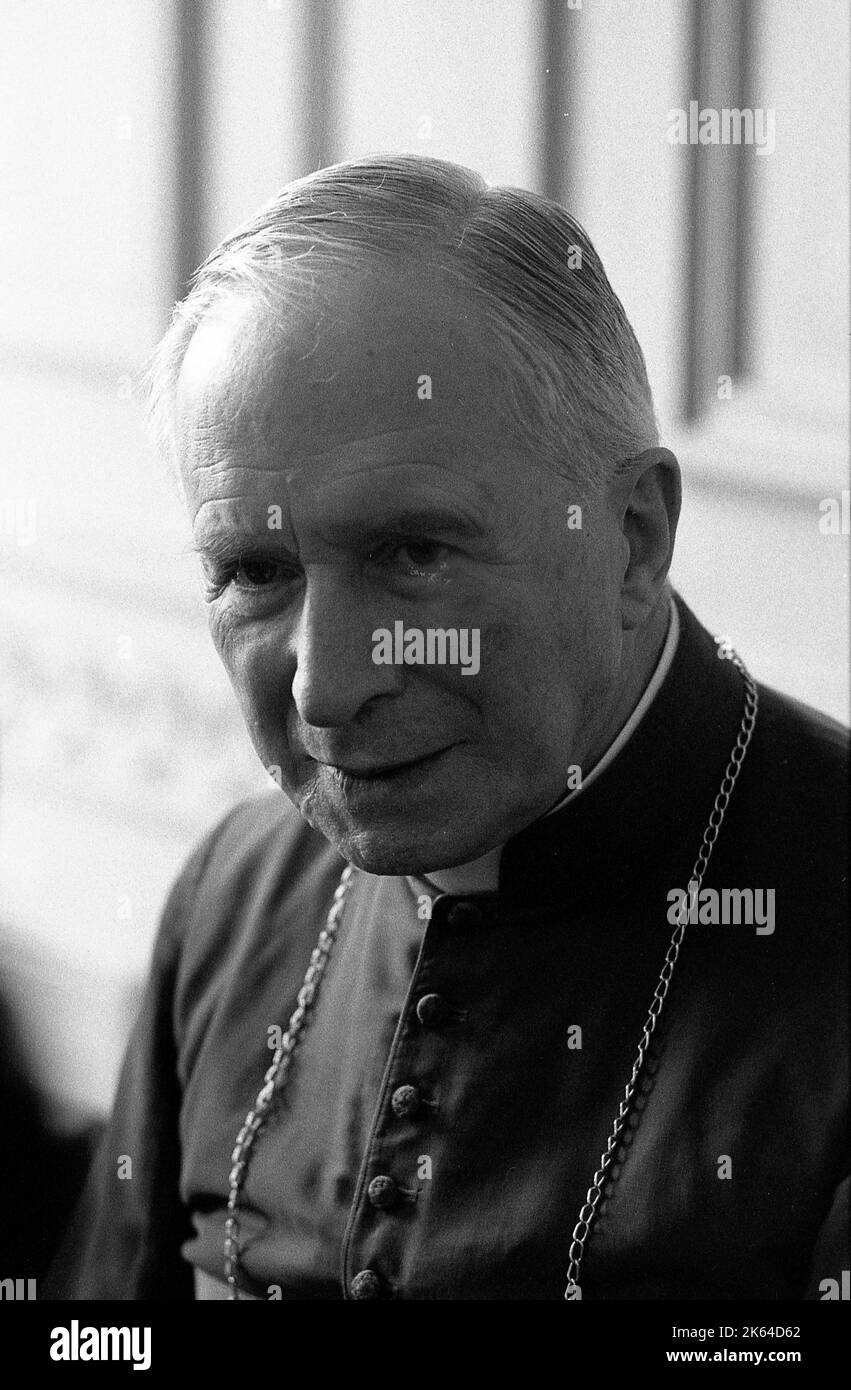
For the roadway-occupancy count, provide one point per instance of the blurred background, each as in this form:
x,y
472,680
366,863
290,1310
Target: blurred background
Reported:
x,y
134,136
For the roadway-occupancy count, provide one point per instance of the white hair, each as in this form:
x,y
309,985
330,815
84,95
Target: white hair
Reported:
x,y
575,375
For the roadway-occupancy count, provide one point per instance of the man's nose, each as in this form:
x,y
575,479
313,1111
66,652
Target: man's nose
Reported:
x,y
335,674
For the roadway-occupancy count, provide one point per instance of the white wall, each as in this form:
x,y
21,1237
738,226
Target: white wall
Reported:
x,y
120,739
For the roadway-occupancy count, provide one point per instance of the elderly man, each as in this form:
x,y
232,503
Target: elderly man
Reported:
x,y
529,986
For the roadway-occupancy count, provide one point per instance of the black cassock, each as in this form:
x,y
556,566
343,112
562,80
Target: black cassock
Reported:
x,y
489,1114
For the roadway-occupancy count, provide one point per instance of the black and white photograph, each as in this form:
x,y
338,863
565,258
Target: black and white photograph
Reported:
x,y
424,669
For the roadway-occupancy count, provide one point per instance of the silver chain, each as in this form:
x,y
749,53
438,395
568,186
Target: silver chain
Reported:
x,y
276,1075
710,835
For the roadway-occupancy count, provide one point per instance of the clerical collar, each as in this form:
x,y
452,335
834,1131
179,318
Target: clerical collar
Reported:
x,y
482,875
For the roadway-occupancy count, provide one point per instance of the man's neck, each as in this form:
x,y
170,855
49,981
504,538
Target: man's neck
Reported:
x,y
648,643
659,671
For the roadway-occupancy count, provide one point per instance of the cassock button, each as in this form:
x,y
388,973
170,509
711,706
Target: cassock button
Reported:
x,y
366,1285
433,1010
382,1192
464,916
405,1101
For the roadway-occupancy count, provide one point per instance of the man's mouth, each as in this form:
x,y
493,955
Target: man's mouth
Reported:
x,y
352,773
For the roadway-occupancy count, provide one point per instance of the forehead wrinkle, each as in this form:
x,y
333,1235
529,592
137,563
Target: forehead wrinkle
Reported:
x,y
202,431
217,463
343,439
350,469
218,501
355,468
227,477
213,421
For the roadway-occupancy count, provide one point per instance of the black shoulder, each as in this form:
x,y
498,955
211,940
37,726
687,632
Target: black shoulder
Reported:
x,y
259,844
807,747
253,894
793,808
263,829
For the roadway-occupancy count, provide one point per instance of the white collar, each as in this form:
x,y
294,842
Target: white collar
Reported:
x,y
482,875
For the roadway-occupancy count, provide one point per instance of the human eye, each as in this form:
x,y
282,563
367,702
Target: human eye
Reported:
x,y
246,575
256,573
412,557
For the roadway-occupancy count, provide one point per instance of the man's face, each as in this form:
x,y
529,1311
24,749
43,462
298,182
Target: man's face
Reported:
x,y
331,497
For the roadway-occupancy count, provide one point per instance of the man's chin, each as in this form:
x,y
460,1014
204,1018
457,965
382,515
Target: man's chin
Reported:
x,y
394,825
402,848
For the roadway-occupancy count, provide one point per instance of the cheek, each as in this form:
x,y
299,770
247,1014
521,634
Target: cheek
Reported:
x,y
515,686
259,667
549,661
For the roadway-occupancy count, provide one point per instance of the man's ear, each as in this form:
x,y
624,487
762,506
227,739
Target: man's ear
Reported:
x,y
647,494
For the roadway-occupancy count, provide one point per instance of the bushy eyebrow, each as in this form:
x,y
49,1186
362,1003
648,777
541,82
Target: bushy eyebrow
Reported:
x,y
224,544
415,521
